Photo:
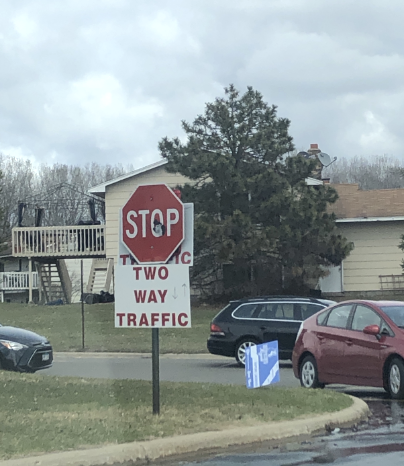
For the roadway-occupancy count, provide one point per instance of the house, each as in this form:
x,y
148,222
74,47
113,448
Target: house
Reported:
x,y
54,254
15,278
374,221
117,191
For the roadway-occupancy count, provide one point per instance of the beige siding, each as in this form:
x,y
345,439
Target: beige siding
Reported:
x,y
74,269
376,253
117,194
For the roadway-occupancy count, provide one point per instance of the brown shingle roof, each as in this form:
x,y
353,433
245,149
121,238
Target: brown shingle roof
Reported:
x,y
355,203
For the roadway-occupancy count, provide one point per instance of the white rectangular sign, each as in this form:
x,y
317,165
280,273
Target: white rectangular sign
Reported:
x,y
152,296
185,255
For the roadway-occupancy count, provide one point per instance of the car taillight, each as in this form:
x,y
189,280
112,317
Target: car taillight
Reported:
x,y
215,329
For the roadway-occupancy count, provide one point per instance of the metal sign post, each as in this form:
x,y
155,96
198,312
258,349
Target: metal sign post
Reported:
x,y
155,252
156,370
82,306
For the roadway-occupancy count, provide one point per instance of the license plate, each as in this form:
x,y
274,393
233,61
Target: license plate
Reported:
x,y
45,357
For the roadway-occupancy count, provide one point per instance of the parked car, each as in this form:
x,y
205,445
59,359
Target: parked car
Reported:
x,y
252,321
24,351
354,343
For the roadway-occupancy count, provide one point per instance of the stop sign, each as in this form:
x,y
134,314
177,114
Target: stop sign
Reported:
x,y
153,223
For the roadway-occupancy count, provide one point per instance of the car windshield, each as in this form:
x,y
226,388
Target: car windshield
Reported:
x,y
396,314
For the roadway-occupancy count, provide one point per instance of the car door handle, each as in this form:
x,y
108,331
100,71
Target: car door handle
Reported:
x,y
383,346
348,342
263,328
320,337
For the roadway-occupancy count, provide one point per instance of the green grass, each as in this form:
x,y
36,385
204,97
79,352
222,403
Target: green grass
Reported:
x,y
43,414
62,326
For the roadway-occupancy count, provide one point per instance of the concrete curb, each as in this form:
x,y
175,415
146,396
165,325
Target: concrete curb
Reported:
x,y
160,448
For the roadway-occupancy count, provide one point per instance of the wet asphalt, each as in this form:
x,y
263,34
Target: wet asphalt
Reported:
x,y
377,441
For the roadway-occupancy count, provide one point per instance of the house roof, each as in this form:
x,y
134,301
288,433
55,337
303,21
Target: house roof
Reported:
x,y
313,181
99,190
357,205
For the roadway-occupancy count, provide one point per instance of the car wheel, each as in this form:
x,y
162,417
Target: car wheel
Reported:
x,y
395,379
309,373
241,349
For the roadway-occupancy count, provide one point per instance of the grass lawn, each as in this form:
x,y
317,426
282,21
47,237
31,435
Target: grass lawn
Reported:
x,y
43,414
62,326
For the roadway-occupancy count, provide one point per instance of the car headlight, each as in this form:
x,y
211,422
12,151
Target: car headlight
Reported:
x,y
13,345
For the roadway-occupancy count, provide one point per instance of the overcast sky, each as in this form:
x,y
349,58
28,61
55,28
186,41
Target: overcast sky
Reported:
x,y
105,80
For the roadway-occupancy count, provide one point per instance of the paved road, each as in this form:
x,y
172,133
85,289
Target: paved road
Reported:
x,y
371,443
178,368
173,368
363,445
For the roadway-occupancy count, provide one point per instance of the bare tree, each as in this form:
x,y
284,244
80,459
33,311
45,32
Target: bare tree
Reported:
x,y
58,191
378,172
17,183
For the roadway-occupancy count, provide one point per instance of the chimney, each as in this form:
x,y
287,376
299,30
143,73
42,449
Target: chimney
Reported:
x,y
314,149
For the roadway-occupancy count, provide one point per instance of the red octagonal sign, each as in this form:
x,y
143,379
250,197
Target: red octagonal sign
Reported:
x,y
153,223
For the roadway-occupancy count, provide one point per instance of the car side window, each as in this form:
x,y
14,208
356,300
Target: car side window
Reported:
x,y
309,309
363,317
338,316
247,311
285,311
277,311
322,318
268,311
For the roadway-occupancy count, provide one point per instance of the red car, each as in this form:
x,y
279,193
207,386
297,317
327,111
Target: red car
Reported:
x,y
354,343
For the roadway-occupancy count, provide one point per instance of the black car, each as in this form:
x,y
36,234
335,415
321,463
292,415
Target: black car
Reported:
x,y
252,321
24,351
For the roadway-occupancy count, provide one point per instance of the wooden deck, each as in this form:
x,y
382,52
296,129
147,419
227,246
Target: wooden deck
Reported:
x,y
59,242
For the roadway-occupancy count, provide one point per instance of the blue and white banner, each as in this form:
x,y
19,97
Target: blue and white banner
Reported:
x,y
262,365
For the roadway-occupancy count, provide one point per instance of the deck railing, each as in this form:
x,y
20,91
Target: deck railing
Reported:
x,y
68,241
391,282
17,281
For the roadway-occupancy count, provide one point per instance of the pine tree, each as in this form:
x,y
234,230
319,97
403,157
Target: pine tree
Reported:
x,y
255,215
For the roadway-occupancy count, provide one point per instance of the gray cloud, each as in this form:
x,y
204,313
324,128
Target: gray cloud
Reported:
x,y
105,80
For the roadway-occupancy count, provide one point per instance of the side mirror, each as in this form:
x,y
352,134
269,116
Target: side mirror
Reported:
x,y
372,330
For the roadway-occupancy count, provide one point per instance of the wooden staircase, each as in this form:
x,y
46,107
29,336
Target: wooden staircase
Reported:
x,y
100,276
54,281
